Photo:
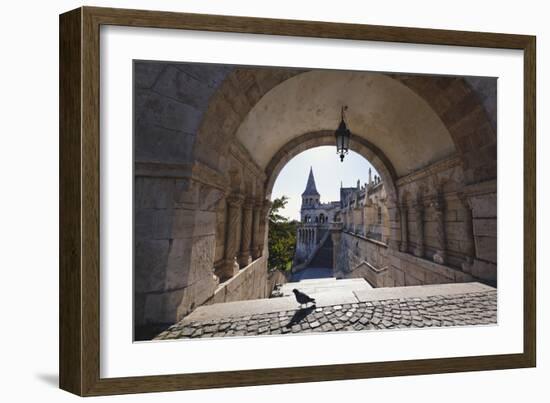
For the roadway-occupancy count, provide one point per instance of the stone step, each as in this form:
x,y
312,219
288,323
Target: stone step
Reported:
x,y
330,298
328,280
311,287
323,257
313,273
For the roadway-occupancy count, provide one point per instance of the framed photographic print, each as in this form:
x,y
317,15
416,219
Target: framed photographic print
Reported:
x,y
236,192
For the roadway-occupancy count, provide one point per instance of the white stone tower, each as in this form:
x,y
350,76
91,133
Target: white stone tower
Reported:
x,y
311,199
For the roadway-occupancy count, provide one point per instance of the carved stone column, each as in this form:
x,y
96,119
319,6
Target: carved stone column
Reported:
x,y
264,214
469,244
232,235
246,238
441,236
418,210
256,252
404,247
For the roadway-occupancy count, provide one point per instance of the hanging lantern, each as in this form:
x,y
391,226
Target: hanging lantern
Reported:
x,y
342,135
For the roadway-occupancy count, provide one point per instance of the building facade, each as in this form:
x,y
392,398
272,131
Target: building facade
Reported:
x,y
361,211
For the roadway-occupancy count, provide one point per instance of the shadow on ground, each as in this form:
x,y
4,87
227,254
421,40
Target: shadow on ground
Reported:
x,y
300,315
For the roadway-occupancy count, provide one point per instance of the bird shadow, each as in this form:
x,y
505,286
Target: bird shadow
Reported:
x,y
300,315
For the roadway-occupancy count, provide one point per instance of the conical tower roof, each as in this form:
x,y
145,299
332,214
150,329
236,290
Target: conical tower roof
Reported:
x,y
311,189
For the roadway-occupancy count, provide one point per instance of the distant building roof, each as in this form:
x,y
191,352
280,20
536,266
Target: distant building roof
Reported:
x,y
311,189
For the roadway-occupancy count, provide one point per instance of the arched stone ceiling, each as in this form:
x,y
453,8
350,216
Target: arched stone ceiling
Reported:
x,y
381,110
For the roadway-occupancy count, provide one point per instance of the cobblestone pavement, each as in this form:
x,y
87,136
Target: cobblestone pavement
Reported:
x,y
434,311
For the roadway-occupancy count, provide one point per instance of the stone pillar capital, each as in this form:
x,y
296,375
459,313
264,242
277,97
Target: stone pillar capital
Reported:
x,y
235,199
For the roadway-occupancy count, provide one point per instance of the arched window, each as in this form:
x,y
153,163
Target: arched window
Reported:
x,y
379,215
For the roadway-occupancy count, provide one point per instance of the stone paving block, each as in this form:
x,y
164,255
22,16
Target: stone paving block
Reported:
x,y
428,311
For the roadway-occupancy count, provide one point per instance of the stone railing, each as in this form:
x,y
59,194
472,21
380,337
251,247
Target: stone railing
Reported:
x,y
359,256
250,282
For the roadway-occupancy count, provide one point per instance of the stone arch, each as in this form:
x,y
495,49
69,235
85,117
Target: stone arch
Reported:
x,y
460,106
322,138
235,96
197,133
464,109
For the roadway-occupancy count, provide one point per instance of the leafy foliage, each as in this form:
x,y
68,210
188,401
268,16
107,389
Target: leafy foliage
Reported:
x,y
282,237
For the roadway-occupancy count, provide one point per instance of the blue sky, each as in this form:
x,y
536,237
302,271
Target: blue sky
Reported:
x,y
328,172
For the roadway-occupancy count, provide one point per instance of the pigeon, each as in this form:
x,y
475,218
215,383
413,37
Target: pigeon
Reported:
x,y
302,298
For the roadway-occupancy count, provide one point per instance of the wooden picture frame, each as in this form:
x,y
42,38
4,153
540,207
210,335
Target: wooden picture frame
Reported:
x,y
79,201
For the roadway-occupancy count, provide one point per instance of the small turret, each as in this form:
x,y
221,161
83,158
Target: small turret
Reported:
x,y
310,196
370,176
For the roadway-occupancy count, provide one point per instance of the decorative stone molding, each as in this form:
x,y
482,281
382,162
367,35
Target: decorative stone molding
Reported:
x,y
196,171
431,170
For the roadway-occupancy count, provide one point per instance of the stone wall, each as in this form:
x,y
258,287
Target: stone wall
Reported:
x,y
196,220
251,282
449,222
200,197
406,269
447,233
175,231
482,208
360,211
275,277
358,256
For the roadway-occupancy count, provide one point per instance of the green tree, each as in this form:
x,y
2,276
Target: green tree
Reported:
x,y
282,237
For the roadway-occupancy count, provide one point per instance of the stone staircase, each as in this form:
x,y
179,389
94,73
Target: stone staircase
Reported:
x,y
323,257
314,287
